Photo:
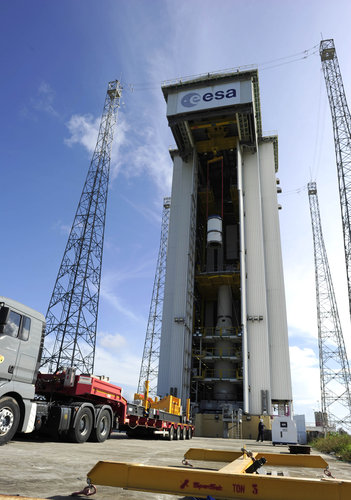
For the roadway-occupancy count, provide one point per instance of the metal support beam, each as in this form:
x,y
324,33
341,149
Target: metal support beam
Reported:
x,y
230,482
208,455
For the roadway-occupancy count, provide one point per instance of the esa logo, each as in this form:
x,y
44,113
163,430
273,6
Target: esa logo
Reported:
x,y
193,98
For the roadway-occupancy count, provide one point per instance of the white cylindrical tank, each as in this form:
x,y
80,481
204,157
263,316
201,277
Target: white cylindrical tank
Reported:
x,y
214,230
224,308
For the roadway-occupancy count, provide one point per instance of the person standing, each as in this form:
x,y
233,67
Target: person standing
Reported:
x,y
260,430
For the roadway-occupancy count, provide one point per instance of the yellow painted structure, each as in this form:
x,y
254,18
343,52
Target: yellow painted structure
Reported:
x,y
212,425
169,404
250,425
208,425
231,481
283,460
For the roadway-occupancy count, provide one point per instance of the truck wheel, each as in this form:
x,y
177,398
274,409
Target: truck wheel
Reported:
x,y
103,427
9,419
177,435
171,433
83,425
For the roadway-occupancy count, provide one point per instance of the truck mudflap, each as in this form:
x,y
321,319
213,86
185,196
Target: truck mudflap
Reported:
x,y
29,416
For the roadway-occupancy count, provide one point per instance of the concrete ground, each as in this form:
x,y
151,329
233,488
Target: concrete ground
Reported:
x,y
54,470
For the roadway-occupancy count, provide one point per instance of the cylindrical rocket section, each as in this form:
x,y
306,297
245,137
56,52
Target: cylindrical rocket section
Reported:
x,y
224,308
214,231
224,368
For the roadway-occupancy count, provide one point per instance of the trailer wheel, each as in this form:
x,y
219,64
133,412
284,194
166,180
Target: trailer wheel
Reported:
x,y
171,433
9,419
187,433
82,428
177,435
103,427
182,433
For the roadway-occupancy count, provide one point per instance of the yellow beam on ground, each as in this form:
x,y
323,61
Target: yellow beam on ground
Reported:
x,y
200,483
11,497
209,455
283,460
239,465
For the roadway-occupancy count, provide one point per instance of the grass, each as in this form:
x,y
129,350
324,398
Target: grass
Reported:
x,y
340,444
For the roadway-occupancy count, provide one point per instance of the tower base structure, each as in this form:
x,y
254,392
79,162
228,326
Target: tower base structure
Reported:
x,y
224,340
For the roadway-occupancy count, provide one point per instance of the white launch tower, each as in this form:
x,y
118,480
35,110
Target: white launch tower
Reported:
x,y
224,334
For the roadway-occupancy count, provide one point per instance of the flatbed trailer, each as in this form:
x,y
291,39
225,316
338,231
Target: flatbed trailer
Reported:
x,y
74,396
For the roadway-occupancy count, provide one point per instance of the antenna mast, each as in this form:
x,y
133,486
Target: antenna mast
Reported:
x,y
71,319
335,380
149,363
342,140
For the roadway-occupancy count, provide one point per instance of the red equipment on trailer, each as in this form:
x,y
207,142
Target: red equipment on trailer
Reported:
x,y
86,406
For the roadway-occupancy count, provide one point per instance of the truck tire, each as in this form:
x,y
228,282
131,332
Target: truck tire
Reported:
x,y
171,433
103,427
182,433
82,426
177,433
9,419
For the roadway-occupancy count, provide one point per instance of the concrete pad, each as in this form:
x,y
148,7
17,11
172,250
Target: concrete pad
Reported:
x,y
53,470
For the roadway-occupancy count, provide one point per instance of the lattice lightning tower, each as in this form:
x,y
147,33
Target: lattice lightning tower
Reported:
x,y
335,380
149,363
342,139
72,314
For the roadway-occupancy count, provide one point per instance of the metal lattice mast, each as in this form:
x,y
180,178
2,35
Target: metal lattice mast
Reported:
x,y
342,139
149,363
71,319
335,380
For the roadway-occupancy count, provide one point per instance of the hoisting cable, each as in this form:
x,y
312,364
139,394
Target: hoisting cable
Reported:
x,y
299,56
88,491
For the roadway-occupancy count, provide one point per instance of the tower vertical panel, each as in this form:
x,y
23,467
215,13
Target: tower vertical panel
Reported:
x,y
243,292
276,306
257,319
175,328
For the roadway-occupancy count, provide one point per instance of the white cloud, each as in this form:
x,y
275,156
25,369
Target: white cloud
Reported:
x,y
301,299
84,130
117,303
111,341
153,160
45,98
42,102
142,154
114,357
64,229
145,211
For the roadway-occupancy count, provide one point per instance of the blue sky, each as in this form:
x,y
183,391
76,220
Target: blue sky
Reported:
x,y
57,58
